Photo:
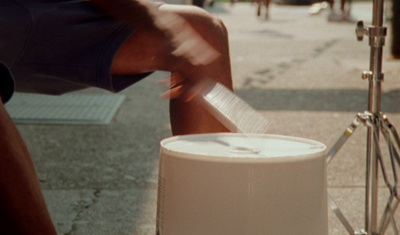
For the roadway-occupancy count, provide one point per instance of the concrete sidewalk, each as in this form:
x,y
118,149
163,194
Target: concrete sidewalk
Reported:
x,y
301,72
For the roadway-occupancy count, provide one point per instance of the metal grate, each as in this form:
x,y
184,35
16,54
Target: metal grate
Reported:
x,y
65,109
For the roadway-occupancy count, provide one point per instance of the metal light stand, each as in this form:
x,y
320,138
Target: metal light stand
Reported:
x,y
377,123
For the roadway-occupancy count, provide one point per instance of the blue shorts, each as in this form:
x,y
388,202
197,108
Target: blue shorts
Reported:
x,y
58,46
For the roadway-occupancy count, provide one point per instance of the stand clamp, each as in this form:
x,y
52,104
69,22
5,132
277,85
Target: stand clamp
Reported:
x,y
376,34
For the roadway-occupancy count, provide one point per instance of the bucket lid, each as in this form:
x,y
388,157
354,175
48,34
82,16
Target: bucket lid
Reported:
x,y
235,145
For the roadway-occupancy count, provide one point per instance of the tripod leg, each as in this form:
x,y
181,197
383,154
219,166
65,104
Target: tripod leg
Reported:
x,y
393,153
388,131
394,134
388,216
396,231
380,158
340,216
332,152
340,142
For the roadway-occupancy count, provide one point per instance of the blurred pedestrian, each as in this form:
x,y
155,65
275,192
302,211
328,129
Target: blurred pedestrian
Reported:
x,y
260,5
341,13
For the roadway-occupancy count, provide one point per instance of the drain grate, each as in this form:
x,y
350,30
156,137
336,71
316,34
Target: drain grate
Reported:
x,y
77,109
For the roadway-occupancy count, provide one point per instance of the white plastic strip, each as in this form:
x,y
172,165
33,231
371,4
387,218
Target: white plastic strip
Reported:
x,y
234,113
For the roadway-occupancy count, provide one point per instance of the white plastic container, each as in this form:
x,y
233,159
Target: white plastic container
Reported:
x,y
229,183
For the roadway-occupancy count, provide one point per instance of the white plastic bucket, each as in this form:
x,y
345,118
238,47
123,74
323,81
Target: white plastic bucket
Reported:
x,y
229,183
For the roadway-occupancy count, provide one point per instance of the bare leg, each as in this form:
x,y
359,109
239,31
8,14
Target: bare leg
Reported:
x,y
148,50
22,208
258,2
267,3
342,6
331,2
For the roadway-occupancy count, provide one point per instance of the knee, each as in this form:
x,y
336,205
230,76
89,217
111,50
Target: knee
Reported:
x,y
208,26
220,26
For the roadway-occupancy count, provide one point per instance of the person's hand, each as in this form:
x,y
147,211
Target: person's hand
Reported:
x,y
191,54
187,53
179,87
186,42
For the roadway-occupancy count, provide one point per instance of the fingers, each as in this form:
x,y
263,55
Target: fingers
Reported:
x,y
187,43
175,84
172,93
193,47
178,88
185,89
